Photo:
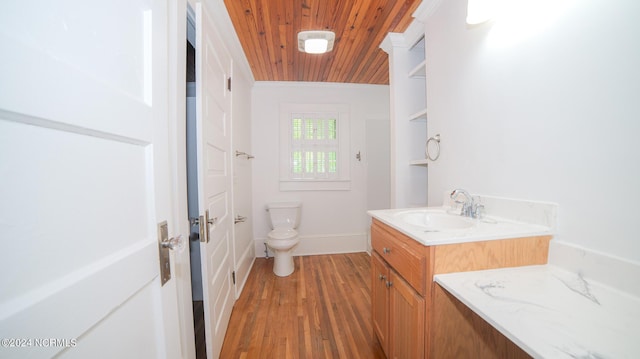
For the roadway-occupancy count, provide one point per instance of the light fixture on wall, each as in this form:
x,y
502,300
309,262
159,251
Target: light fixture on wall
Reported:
x,y
316,42
479,11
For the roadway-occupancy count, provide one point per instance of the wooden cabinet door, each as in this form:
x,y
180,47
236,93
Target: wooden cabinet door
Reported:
x,y
380,300
407,319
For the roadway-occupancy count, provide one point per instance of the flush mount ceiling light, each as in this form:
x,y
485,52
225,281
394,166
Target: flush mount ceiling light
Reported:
x,y
316,42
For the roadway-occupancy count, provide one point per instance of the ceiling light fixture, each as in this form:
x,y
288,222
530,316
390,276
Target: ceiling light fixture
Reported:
x,y
316,42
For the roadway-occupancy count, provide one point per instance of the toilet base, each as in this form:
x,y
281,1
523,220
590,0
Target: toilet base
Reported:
x,y
283,253
283,263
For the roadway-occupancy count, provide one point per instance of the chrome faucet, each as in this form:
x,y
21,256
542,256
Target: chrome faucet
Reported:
x,y
469,206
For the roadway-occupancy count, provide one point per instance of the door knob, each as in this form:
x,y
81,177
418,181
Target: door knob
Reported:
x,y
174,243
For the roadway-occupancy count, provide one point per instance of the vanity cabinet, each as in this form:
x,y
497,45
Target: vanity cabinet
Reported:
x,y
406,320
380,300
403,289
461,333
399,287
398,312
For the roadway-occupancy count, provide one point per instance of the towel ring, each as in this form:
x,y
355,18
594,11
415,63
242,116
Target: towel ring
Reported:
x,y
436,140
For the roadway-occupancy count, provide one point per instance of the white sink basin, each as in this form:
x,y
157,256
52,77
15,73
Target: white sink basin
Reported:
x,y
435,221
439,225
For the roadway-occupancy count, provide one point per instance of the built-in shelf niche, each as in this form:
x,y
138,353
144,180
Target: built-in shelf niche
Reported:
x,y
418,73
409,115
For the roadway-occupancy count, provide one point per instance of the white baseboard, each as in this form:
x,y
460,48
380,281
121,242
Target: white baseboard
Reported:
x,y
243,269
322,244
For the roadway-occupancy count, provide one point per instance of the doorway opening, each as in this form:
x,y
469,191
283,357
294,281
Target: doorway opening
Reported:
x,y
192,189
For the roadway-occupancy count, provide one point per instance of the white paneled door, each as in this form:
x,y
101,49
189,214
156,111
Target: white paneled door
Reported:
x,y
84,180
213,106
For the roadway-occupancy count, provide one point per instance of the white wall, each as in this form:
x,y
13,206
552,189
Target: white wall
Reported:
x,y
332,221
545,110
377,160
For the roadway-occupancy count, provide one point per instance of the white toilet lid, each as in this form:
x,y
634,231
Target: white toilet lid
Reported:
x,y
283,233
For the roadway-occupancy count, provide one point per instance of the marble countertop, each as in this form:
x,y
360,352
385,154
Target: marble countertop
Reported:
x,y
551,312
490,228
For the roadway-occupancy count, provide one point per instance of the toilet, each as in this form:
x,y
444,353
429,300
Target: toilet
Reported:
x,y
285,218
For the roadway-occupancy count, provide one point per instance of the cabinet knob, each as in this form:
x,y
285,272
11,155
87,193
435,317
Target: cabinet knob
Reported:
x,y
386,250
389,284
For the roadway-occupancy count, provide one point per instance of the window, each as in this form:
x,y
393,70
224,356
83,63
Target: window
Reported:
x,y
314,146
314,140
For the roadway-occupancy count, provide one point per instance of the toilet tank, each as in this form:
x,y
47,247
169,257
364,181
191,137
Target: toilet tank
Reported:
x,y
284,214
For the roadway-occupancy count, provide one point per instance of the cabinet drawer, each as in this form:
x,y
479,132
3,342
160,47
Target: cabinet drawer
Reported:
x,y
408,259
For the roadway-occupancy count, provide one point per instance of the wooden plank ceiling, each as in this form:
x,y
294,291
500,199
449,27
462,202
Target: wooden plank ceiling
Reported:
x,y
268,31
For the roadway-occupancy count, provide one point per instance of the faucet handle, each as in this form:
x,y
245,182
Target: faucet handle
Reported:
x,y
478,211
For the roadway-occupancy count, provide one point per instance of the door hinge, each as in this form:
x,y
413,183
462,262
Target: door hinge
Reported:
x,y
233,276
229,84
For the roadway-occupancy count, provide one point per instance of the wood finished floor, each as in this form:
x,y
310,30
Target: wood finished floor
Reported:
x,y
322,310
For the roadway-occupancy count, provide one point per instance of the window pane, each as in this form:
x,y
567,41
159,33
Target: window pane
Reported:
x,y
332,162
320,130
297,162
309,129
332,134
309,162
296,129
320,159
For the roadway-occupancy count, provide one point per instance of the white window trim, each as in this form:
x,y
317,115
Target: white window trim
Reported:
x,y
343,182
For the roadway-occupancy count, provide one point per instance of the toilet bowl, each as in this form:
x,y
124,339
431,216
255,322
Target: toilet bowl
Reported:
x,y
282,240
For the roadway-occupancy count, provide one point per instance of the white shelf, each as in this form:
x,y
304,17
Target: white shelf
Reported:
x,y
418,44
419,71
420,115
422,162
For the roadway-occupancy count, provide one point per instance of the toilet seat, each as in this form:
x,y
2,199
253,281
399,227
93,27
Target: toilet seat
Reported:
x,y
283,233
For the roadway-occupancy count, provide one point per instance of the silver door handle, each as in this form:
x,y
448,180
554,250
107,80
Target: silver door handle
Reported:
x,y
174,243
204,230
196,221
